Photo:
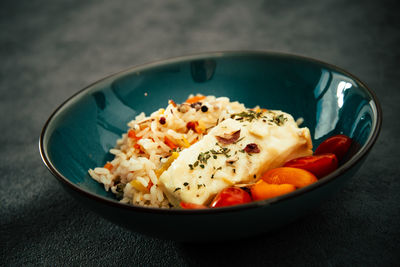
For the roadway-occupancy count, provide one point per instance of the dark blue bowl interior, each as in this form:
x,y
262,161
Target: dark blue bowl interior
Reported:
x,y
331,101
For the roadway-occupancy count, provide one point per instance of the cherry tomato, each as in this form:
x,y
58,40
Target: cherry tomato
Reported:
x,y
230,196
338,145
289,175
319,165
262,190
191,206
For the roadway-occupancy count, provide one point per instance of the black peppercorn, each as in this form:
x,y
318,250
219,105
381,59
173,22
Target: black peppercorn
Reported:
x,y
204,108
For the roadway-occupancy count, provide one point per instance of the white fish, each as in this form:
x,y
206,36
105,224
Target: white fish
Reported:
x,y
266,140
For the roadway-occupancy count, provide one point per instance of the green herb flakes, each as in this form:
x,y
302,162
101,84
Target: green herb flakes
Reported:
x,y
248,115
279,120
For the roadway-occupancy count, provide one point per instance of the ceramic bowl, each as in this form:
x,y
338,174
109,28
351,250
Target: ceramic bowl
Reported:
x,y
79,134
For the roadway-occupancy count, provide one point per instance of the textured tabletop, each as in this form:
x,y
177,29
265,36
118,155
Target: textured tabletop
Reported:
x,y
51,49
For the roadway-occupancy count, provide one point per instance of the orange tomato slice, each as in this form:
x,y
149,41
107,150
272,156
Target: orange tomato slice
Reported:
x,y
262,190
288,175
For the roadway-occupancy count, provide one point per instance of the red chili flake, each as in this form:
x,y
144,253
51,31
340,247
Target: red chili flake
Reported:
x,y
162,120
229,138
252,148
192,125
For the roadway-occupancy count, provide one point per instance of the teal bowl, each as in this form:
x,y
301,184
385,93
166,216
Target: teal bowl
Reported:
x,y
79,134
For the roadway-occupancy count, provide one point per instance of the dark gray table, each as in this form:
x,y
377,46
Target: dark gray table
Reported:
x,y
49,50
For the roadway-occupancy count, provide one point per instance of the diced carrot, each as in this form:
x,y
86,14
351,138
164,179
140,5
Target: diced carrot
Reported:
x,y
169,143
260,109
108,166
195,99
289,175
132,134
149,185
172,102
194,141
137,146
262,190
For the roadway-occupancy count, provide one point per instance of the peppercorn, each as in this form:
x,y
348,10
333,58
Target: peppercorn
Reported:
x,y
162,120
204,108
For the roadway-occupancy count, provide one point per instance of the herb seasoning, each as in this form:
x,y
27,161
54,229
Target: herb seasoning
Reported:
x,y
248,115
279,120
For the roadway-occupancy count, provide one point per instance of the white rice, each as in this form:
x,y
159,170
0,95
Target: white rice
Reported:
x,y
133,174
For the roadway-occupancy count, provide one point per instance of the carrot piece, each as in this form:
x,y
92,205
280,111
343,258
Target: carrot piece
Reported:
x,y
195,99
262,190
191,125
288,175
149,185
132,134
169,143
194,141
172,102
108,166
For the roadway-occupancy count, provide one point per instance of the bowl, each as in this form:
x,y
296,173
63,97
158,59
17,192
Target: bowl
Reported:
x,y
80,132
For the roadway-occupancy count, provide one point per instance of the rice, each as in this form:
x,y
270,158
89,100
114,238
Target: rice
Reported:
x,y
151,144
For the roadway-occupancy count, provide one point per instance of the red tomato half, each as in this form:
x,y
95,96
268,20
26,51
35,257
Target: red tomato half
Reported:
x,y
319,165
230,196
338,145
191,206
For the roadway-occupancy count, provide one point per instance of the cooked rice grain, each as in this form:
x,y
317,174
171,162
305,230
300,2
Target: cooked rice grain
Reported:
x,y
142,158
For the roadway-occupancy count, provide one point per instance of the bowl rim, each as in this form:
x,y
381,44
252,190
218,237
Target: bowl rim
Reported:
x,y
376,127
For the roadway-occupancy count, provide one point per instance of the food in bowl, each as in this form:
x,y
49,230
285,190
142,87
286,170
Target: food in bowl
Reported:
x,y
191,152
300,86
